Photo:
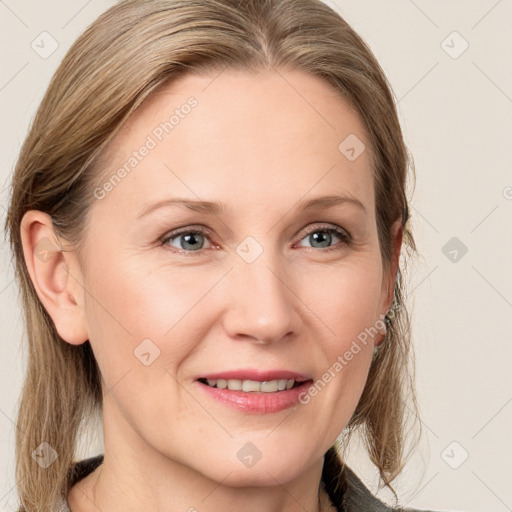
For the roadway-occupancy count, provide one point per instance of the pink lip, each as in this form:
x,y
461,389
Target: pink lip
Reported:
x,y
256,375
254,402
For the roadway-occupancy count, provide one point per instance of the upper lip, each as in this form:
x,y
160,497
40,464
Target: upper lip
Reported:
x,y
256,375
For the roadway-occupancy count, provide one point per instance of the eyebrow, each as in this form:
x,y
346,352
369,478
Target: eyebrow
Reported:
x,y
217,208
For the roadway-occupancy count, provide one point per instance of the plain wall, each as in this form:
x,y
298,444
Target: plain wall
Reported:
x,y
456,113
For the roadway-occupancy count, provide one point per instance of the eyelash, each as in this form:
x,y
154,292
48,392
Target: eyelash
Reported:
x,y
345,237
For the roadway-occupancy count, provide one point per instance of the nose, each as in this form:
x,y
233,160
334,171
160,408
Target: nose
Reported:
x,y
263,307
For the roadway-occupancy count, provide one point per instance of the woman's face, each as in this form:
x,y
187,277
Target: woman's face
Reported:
x,y
254,281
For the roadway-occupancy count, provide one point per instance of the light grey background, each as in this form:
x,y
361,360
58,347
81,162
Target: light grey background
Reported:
x,y
456,112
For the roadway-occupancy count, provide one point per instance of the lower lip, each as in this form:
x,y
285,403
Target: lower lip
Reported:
x,y
257,402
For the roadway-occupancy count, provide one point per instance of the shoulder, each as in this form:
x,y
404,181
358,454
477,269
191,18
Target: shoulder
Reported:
x,y
358,497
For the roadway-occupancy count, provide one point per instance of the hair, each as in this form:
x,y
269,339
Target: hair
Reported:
x,y
131,50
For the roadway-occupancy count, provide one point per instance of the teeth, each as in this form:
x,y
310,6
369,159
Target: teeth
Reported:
x,y
251,386
235,385
269,387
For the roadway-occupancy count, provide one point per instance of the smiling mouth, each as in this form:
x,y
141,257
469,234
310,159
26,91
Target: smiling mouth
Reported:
x,y
254,386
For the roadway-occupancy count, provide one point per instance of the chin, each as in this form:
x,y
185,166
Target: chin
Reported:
x,y
269,470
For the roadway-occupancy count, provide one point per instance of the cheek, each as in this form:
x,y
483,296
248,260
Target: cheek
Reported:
x,y
345,303
344,300
130,303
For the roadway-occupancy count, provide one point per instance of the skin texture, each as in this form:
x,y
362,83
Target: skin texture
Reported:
x,y
260,144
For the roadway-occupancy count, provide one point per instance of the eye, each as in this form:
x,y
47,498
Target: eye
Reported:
x,y
187,240
322,237
192,239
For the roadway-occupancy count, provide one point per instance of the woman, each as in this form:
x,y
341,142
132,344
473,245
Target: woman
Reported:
x,y
207,218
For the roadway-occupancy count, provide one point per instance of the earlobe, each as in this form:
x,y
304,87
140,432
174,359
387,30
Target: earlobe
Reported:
x,y
55,276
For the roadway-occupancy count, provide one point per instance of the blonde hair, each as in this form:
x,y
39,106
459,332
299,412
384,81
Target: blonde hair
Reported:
x,y
129,51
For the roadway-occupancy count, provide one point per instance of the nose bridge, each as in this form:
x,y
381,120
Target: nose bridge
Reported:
x,y
263,306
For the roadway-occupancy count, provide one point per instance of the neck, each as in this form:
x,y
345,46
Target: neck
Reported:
x,y
134,476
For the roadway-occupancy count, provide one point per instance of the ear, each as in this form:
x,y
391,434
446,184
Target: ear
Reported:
x,y
397,234
388,282
56,276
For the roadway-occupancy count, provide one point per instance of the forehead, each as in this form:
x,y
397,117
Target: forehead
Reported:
x,y
251,133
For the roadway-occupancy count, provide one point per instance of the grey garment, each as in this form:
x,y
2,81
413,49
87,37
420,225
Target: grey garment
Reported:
x,y
356,496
